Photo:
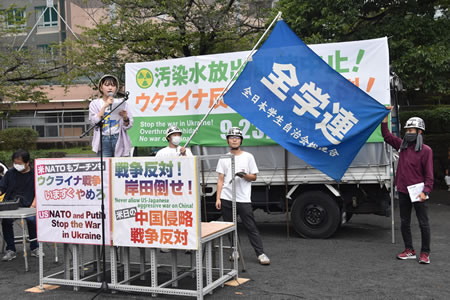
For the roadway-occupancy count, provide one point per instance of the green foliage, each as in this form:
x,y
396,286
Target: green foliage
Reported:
x,y
146,151
23,70
418,31
437,135
18,138
436,120
153,30
440,154
5,156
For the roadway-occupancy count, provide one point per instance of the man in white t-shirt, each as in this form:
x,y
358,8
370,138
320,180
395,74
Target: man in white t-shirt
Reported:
x,y
245,173
173,136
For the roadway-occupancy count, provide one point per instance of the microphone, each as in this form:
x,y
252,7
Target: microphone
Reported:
x,y
111,94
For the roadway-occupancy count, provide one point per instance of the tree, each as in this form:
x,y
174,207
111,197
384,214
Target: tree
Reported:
x,y
18,138
22,70
418,31
143,30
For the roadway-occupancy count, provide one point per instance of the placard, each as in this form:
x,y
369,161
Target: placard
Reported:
x,y
154,202
68,198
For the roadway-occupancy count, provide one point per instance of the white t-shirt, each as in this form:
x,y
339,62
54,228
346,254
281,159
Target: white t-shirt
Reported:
x,y
245,162
167,151
111,123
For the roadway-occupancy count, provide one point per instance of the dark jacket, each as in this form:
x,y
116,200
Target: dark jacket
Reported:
x,y
413,167
15,184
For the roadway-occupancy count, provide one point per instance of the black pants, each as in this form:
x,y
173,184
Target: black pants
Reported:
x,y
8,233
422,216
245,211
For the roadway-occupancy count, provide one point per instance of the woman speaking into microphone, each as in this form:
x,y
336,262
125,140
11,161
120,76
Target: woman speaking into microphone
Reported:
x,y
115,140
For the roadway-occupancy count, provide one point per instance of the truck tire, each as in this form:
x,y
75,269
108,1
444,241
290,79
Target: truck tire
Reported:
x,y
348,216
315,214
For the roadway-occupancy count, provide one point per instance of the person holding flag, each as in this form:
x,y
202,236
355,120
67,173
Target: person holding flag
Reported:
x,y
415,165
173,137
246,171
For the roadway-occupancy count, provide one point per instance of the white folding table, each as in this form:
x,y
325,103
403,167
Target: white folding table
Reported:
x,y
21,213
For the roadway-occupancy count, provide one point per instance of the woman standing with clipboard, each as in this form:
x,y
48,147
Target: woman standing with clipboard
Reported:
x,y
415,166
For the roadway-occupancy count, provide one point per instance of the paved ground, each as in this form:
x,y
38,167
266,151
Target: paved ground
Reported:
x,y
356,263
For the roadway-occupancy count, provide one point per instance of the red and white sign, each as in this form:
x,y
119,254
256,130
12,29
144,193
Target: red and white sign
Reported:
x,y
68,198
154,202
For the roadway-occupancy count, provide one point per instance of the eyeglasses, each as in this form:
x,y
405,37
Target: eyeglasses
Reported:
x,y
234,137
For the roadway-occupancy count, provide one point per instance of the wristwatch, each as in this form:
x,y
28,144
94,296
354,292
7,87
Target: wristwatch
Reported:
x,y
426,193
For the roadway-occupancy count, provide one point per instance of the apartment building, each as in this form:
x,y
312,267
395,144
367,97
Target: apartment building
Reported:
x,y
47,22
65,117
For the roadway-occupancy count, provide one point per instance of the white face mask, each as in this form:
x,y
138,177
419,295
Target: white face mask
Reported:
x,y
19,168
176,140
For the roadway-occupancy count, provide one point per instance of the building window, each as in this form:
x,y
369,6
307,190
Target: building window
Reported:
x,y
74,117
50,17
14,18
44,48
52,117
63,124
47,53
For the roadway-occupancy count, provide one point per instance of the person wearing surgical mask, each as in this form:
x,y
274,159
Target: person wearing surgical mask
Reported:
x,y
415,166
173,137
18,184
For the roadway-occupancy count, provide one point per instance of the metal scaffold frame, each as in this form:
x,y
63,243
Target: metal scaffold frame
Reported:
x,y
207,275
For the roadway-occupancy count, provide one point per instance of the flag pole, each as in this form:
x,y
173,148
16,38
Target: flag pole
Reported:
x,y
277,17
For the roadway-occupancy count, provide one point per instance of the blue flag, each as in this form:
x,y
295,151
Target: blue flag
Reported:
x,y
293,96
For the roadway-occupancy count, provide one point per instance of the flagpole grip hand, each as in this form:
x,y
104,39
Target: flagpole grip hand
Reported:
x,y
387,116
182,151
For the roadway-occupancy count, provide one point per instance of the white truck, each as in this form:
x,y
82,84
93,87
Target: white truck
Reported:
x,y
317,204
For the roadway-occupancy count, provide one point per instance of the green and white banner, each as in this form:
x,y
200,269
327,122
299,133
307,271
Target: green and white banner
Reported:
x,y
180,91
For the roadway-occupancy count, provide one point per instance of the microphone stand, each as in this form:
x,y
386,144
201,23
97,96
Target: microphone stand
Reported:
x,y
99,126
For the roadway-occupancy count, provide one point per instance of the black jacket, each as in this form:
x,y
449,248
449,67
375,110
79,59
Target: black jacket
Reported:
x,y
15,184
